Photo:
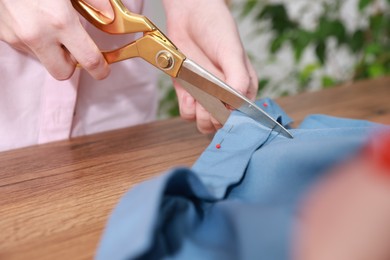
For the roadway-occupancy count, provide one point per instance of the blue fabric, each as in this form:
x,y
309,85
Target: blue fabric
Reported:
x,y
237,202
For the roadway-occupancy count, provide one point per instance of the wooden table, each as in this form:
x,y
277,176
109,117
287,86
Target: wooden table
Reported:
x,y
55,199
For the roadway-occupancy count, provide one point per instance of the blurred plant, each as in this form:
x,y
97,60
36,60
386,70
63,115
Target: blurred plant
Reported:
x,y
168,105
369,42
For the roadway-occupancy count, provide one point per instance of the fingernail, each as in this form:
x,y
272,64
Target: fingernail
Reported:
x,y
188,101
105,71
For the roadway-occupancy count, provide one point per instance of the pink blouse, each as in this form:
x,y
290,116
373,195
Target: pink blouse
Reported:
x,y
35,108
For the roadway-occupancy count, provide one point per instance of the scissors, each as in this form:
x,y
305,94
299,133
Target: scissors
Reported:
x,y
154,47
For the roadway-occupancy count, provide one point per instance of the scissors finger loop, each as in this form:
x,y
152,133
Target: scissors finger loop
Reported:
x,y
123,21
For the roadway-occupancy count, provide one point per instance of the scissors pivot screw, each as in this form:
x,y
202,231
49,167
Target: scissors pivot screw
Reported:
x,y
164,60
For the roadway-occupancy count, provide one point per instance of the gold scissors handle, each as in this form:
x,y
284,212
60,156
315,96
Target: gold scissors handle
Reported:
x,y
154,47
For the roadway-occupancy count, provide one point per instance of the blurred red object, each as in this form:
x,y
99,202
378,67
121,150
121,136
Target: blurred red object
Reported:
x,y
347,215
378,151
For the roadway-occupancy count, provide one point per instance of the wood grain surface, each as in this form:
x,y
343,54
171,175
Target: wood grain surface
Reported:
x,y
55,198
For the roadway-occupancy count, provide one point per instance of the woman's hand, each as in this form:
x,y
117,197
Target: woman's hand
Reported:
x,y
205,32
51,30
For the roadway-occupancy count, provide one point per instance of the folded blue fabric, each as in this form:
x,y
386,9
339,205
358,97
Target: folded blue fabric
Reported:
x,y
237,202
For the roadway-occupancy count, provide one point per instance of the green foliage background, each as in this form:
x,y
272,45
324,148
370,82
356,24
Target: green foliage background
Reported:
x,y
368,43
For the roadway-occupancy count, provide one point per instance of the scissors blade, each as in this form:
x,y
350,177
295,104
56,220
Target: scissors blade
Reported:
x,y
210,103
200,78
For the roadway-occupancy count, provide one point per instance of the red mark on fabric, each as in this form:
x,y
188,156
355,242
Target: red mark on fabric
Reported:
x,y
218,146
265,104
